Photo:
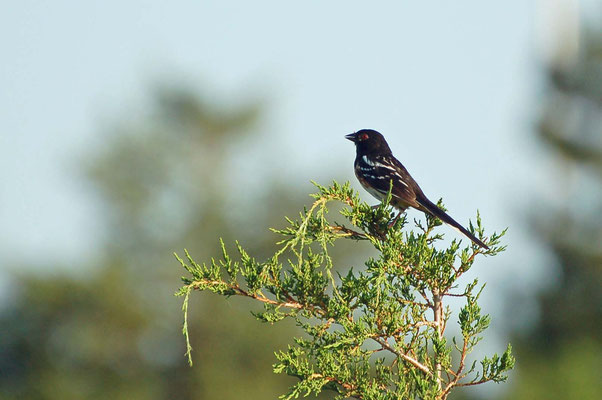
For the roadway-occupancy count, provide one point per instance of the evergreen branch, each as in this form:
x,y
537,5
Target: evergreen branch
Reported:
x,y
388,301
237,290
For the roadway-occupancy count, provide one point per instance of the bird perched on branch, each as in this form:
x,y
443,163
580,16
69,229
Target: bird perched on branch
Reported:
x,y
376,167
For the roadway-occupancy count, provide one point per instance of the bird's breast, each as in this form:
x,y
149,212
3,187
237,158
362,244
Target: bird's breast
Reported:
x,y
366,184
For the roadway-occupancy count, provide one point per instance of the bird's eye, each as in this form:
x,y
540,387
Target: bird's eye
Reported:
x,y
363,136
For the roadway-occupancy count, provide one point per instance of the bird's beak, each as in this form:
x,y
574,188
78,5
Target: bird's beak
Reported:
x,y
351,137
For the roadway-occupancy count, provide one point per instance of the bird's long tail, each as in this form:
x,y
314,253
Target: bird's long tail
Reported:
x,y
432,209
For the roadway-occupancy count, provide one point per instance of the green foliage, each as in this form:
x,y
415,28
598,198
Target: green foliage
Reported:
x,y
375,333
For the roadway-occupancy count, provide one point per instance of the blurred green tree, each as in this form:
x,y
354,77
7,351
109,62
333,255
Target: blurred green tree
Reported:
x,y
109,330
560,356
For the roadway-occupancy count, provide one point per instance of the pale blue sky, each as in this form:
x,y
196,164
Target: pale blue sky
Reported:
x,y
453,81
452,85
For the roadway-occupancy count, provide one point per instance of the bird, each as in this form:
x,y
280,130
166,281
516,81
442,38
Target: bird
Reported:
x,y
376,167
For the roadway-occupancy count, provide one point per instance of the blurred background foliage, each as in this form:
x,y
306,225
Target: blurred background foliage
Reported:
x,y
112,329
164,183
560,356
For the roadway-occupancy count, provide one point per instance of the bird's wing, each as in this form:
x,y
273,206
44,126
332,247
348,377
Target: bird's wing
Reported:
x,y
378,172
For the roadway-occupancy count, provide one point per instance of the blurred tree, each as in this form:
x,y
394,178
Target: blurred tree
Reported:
x,y
166,180
560,357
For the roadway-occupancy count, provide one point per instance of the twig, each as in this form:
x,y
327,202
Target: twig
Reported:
x,y
262,298
437,307
458,374
350,233
407,358
414,303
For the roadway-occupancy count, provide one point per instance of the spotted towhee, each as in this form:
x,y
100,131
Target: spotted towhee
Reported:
x,y
375,168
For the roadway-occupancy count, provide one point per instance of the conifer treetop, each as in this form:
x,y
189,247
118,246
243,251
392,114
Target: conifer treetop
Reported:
x,y
372,332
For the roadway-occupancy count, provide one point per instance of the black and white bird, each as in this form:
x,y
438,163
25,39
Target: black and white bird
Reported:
x,y
376,167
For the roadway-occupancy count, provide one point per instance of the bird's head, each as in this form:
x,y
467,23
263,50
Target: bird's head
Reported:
x,y
369,141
